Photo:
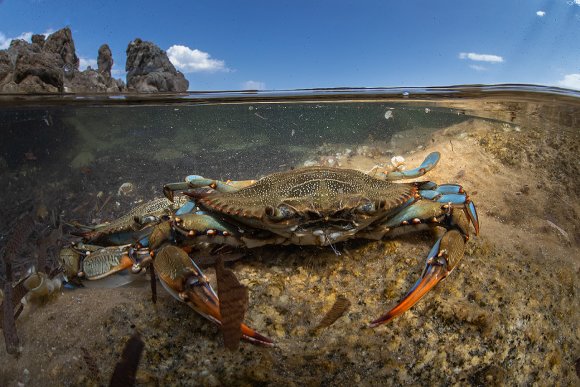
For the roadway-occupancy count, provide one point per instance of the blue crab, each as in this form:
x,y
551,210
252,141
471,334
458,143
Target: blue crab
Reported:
x,y
309,206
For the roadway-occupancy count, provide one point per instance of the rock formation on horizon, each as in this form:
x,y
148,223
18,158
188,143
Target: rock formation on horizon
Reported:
x,y
51,66
149,70
105,60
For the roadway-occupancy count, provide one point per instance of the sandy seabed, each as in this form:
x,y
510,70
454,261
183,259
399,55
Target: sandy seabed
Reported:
x,y
508,315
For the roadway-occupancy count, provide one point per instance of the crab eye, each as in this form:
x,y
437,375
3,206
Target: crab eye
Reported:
x,y
279,213
366,207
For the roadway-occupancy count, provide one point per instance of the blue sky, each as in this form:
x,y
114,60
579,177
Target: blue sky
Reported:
x,y
275,44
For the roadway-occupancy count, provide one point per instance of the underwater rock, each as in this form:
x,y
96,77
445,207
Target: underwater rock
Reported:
x,y
398,162
125,189
149,69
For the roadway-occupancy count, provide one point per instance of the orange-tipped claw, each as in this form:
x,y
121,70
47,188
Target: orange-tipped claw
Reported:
x,y
181,277
431,278
201,297
254,337
442,259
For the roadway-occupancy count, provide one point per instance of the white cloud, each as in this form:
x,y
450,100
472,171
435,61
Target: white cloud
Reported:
x,y
189,61
570,81
481,57
478,67
85,62
542,13
254,85
5,41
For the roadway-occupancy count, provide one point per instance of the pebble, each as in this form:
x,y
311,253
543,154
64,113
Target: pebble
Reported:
x,y
397,161
125,189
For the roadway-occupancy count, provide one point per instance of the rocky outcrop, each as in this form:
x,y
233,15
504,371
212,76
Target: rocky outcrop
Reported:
x,y
61,44
149,69
105,60
99,80
27,67
50,65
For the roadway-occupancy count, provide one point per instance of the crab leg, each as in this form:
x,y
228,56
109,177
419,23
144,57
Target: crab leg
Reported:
x,y
435,204
442,259
185,281
196,181
428,164
106,261
448,206
452,194
201,227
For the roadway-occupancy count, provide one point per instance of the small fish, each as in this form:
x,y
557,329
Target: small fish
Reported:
x,y
126,368
234,301
339,308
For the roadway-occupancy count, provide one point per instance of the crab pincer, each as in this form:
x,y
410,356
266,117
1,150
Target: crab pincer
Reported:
x,y
441,260
183,279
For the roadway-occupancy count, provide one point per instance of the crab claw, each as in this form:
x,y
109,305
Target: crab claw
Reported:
x,y
184,280
442,259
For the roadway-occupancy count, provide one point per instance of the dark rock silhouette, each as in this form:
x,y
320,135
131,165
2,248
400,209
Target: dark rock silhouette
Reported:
x,y
105,60
51,66
149,69
29,68
61,44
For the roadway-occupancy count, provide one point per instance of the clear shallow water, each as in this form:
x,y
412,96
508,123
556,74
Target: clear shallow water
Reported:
x,y
514,148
